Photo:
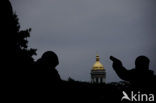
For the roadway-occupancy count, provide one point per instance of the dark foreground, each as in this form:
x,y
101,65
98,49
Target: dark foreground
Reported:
x,y
73,91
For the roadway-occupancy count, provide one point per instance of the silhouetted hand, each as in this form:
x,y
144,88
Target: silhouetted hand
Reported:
x,y
116,62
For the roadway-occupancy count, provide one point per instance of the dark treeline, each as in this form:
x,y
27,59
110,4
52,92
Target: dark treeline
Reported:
x,y
39,80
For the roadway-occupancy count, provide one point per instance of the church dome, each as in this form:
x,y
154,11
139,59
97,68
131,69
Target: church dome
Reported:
x,y
97,65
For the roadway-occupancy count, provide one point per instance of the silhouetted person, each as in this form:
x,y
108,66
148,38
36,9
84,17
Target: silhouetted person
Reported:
x,y
46,68
140,76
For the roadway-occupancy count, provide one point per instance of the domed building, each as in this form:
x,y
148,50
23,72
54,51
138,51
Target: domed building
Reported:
x,y
98,73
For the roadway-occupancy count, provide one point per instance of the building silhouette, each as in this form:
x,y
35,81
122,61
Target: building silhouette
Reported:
x,y
98,73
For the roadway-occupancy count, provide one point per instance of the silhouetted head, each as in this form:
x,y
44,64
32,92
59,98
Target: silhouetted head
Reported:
x,y
50,59
142,63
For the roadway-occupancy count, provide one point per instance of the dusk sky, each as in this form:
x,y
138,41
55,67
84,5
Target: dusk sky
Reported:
x,y
78,29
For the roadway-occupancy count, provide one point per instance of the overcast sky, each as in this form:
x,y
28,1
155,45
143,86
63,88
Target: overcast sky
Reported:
x,y
77,29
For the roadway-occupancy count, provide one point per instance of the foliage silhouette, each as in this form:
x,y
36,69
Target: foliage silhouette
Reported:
x,y
23,55
17,54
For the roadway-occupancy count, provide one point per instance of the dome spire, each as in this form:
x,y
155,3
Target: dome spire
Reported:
x,y
97,65
97,57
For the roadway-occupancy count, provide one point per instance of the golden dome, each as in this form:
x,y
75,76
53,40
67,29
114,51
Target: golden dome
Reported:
x,y
97,65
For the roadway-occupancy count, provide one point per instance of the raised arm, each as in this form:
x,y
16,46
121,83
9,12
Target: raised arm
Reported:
x,y
121,71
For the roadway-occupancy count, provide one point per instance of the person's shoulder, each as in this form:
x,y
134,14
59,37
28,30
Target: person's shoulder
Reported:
x,y
133,71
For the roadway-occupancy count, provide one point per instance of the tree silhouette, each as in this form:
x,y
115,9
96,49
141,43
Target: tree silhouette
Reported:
x,y
23,55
